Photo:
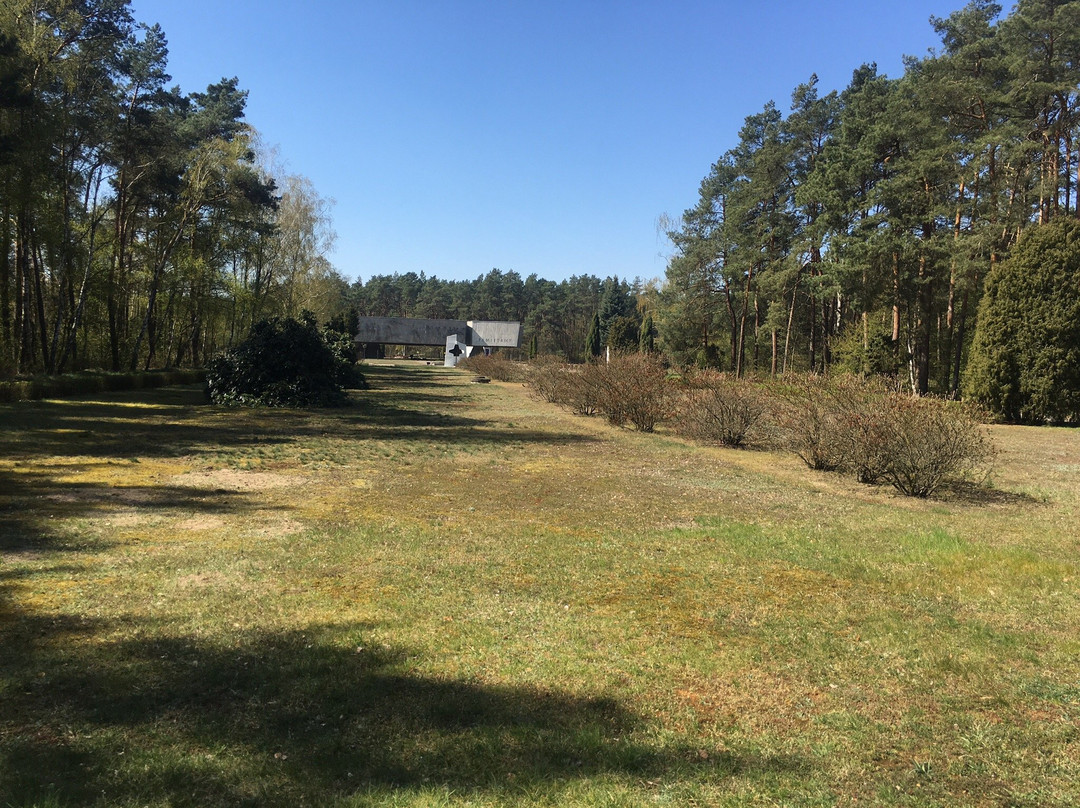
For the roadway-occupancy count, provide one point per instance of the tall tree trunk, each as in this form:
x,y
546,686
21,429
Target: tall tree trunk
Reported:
x,y
39,302
924,318
950,323
65,292
827,319
866,368
896,305
958,346
734,319
7,353
113,307
742,324
20,336
160,264
79,304
122,227
790,320
1067,173
757,329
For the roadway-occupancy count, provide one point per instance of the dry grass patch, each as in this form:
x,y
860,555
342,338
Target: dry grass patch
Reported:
x,y
454,594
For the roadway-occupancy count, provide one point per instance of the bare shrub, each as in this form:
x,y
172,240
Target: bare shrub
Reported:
x,y
861,439
719,408
557,382
598,384
579,392
495,366
545,376
808,420
632,388
880,435
928,442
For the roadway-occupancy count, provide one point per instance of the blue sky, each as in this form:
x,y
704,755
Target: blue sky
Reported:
x,y
538,136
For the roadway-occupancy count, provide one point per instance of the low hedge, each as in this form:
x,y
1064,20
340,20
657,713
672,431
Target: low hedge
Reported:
x,y
90,383
495,366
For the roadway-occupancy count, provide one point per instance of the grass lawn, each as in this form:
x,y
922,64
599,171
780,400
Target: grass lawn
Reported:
x,y
451,594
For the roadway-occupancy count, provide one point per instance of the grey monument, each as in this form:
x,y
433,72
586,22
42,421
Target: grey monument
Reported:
x,y
457,337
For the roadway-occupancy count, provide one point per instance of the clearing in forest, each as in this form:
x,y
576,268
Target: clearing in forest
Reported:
x,y
451,594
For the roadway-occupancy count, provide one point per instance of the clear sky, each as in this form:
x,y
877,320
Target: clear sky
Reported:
x,y
541,136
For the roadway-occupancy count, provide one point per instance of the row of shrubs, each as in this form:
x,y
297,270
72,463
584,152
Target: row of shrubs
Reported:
x,y
497,366
857,426
92,383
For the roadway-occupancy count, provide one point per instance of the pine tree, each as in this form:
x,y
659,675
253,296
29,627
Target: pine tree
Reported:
x,y
593,344
1026,355
648,335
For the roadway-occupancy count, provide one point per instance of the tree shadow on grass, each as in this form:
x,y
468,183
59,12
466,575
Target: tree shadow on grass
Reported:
x,y
31,501
127,425
132,712
411,376
386,419
142,424
296,717
975,494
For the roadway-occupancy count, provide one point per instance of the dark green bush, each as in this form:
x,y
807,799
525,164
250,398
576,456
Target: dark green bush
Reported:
x,y
1025,359
345,350
17,390
283,363
708,357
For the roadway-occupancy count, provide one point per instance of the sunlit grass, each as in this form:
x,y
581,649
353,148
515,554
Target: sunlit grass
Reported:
x,y
451,594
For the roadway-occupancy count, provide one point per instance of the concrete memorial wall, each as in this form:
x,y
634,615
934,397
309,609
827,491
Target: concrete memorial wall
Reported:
x,y
458,337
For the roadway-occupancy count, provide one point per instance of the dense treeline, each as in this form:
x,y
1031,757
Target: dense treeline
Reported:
x,y
137,225
858,229
856,232
555,316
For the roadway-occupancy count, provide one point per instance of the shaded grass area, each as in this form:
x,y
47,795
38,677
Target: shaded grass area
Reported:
x,y
91,382
449,594
284,717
